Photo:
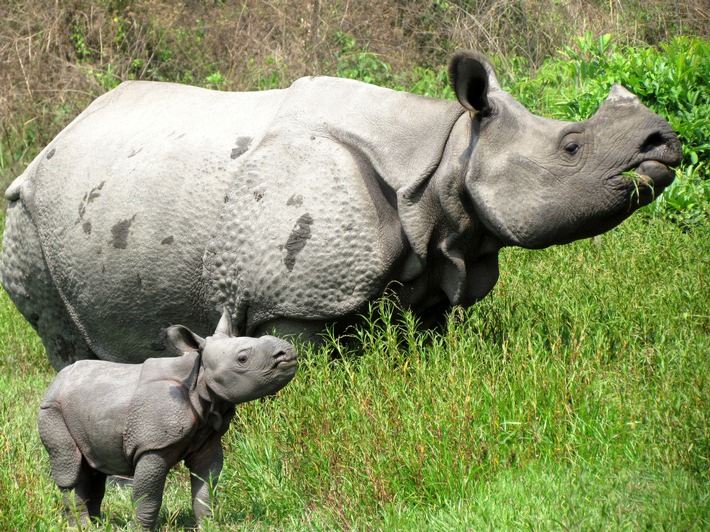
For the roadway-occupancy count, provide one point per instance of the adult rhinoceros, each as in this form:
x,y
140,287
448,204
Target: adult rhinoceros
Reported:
x,y
163,204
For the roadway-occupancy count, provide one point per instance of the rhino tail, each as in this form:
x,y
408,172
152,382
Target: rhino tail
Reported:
x,y
64,455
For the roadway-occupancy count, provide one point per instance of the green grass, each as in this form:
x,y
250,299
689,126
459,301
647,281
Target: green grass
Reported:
x,y
576,396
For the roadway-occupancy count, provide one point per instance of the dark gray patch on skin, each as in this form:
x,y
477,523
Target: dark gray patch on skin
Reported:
x,y
119,233
135,152
243,144
82,208
86,226
168,240
296,200
259,194
297,240
95,192
51,153
88,198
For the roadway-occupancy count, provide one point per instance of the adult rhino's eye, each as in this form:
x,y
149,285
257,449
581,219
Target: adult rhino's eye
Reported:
x,y
572,148
242,358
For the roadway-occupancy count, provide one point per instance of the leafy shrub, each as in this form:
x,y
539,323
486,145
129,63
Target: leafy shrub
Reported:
x,y
359,63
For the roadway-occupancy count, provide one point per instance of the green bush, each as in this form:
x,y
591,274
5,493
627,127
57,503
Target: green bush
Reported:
x,y
359,63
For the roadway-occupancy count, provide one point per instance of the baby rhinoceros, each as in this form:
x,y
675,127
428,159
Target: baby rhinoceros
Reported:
x,y
102,418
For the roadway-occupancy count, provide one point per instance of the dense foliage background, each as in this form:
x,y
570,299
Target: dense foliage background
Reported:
x,y
576,396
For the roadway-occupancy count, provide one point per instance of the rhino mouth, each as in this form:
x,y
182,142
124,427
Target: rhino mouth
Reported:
x,y
285,358
646,182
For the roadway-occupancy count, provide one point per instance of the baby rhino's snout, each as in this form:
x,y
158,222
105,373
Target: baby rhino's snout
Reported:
x,y
282,352
280,361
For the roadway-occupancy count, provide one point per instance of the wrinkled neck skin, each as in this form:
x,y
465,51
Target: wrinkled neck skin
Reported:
x,y
459,256
210,408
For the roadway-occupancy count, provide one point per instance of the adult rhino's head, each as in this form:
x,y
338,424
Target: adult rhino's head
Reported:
x,y
535,182
238,369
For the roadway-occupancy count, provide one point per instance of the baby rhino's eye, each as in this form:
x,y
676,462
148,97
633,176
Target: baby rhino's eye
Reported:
x,y
242,357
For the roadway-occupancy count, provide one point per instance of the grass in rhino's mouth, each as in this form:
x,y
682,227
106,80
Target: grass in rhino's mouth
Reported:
x,y
641,183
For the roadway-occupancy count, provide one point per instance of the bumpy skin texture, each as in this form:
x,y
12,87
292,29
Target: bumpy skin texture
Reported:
x,y
103,418
163,203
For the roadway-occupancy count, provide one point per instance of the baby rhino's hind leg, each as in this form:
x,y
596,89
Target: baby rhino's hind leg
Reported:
x,y
69,469
89,491
64,455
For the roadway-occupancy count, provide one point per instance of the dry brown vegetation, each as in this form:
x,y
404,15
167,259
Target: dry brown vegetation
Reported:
x,y
55,56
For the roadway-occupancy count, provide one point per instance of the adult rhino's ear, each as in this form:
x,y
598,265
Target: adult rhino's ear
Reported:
x,y
224,327
183,340
472,77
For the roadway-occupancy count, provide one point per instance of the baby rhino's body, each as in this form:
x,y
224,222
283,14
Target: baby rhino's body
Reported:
x,y
101,418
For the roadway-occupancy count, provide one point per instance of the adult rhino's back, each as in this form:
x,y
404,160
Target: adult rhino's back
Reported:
x,y
123,202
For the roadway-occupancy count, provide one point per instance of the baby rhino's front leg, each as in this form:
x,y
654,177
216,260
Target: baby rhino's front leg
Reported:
x,y
148,484
205,467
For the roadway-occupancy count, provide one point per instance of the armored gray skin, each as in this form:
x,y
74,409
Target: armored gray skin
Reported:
x,y
163,203
103,418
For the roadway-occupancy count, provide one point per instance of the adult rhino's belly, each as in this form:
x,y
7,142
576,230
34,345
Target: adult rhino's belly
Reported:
x,y
124,199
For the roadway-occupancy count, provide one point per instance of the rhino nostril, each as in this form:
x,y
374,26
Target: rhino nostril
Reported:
x,y
654,140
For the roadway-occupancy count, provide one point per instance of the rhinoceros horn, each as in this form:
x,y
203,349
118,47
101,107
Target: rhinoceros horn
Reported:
x,y
224,327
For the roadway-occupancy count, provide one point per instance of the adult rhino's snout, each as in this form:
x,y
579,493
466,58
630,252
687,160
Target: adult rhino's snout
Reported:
x,y
659,153
662,145
656,174
655,148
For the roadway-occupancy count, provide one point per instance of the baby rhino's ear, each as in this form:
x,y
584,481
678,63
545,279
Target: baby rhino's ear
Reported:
x,y
183,340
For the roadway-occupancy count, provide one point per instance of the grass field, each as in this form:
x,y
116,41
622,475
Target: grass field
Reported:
x,y
576,396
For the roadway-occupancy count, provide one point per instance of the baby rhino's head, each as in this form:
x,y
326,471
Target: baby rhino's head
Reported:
x,y
242,369
239,369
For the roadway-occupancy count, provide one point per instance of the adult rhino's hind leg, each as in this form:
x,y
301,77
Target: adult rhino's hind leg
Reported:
x,y
26,278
